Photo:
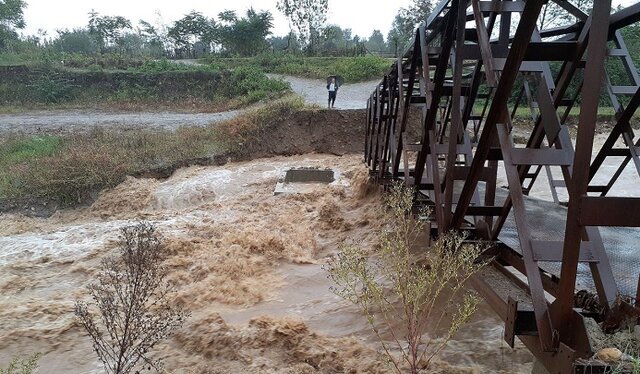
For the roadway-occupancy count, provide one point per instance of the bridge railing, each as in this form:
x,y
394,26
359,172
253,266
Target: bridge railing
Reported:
x,y
467,71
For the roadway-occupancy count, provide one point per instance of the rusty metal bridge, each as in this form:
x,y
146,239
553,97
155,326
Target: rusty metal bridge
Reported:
x,y
462,79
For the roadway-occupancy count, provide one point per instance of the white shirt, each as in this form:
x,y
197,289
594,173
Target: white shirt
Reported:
x,y
332,87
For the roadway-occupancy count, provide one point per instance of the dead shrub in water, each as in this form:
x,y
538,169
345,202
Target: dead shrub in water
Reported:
x,y
406,294
131,296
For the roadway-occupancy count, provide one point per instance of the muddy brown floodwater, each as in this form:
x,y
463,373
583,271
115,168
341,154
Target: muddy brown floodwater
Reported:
x,y
248,265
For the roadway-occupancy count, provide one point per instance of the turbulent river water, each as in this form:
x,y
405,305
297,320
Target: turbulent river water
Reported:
x,y
248,265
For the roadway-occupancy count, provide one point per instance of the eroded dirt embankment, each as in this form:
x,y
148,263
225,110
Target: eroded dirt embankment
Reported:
x,y
320,131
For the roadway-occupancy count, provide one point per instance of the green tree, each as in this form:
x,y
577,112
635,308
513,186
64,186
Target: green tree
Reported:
x,y
153,41
376,43
192,28
307,17
75,41
553,15
11,18
107,30
631,36
285,43
400,34
405,23
332,38
245,36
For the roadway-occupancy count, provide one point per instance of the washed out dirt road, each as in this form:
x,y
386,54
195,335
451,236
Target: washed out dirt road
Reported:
x,y
350,96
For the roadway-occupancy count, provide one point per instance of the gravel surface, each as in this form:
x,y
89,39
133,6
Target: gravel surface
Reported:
x,y
84,120
350,96
314,91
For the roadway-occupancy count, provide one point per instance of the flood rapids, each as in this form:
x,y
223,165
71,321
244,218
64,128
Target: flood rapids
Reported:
x,y
247,264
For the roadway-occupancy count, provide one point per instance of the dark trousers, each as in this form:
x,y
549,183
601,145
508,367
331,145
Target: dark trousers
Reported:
x,y
332,98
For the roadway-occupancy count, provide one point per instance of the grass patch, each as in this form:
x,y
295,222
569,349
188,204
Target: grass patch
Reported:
x,y
68,170
38,57
34,147
152,84
352,69
87,163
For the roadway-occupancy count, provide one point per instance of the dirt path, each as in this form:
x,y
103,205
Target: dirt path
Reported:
x,y
350,96
73,121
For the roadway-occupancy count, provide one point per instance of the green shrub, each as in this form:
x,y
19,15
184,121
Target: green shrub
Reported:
x,y
416,295
253,83
52,88
352,69
155,83
22,365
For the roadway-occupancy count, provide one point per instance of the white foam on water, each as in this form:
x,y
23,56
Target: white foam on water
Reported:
x,y
72,241
197,189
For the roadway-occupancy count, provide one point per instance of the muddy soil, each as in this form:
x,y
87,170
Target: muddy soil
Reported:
x,y
308,131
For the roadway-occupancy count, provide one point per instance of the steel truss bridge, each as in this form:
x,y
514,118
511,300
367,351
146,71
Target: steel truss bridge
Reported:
x,y
466,72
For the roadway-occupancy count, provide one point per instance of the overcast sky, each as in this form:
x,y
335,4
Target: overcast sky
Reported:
x,y
362,16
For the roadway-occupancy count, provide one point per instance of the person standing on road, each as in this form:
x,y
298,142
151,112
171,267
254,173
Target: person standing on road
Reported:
x,y
332,86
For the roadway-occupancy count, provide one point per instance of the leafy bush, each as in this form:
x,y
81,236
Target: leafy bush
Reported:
x,y
252,81
352,69
52,88
20,365
410,293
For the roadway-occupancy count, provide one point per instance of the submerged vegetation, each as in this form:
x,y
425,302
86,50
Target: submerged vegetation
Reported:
x,y
22,365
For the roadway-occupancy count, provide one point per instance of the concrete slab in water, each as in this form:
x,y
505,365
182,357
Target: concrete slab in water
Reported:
x,y
301,180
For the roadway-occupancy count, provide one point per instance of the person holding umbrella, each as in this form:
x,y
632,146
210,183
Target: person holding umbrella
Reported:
x,y
333,83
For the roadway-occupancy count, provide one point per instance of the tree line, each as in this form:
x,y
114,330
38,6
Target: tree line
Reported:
x,y
233,34
229,34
